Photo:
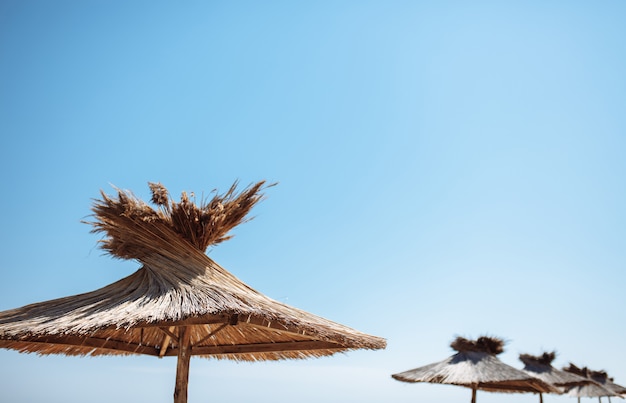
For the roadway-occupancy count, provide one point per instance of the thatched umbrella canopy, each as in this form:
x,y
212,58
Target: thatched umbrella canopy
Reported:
x,y
180,302
600,384
476,366
541,367
603,379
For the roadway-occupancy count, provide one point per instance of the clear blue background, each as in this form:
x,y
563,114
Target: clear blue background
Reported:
x,y
445,168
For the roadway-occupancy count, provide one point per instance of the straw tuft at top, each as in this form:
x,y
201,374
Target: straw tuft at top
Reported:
x,y
544,359
160,195
573,369
133,229
599,376
484,344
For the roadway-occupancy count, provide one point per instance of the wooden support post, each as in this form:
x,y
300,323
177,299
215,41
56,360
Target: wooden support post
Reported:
x,y
166,340
182,365
540,397
473,395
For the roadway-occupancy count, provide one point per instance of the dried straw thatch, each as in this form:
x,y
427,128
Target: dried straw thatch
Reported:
x,y
603,379
541,367
601,385
483,344
180,302
476,366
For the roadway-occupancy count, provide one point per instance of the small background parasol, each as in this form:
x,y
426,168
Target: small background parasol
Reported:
x,y
541,367
476,366
600,385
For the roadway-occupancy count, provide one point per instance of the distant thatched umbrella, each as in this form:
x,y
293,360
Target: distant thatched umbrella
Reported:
x,y
541,367
180,302
476,366
601,385
603,379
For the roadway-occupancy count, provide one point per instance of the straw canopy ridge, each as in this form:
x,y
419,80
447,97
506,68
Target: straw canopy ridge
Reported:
x,y
178,287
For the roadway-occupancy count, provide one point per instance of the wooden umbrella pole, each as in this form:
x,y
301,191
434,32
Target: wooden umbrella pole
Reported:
x,y
540,397
182,365
473,395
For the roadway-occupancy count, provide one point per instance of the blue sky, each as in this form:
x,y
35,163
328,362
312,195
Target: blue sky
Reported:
x,y
444,169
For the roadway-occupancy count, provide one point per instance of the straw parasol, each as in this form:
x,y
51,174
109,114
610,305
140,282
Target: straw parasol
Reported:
x,y
476,366
180,302
603,379
601,384
541,367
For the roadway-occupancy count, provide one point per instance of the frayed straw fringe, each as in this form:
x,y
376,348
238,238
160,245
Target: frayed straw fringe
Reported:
x,y
132,227
544,359
484,344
